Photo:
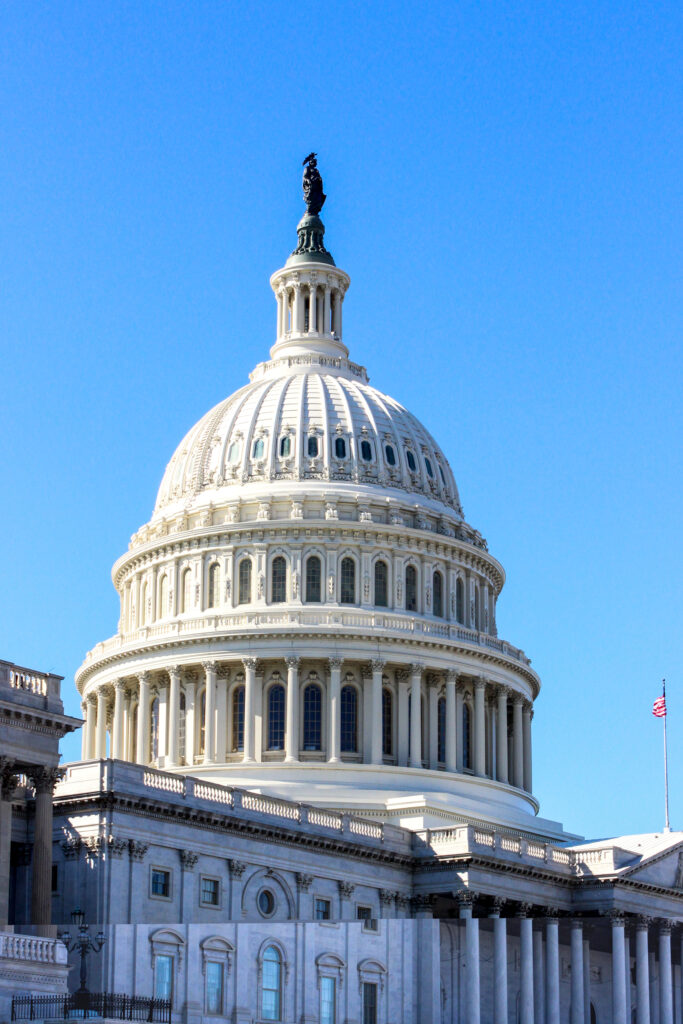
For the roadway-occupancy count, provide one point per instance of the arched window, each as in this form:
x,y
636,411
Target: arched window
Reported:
x,y
387,723
181,727
381,584
466,736
312,717
430,471
348,581
276,717
154,730
366,451
412,465
278,577
437,594
441,730
238,718
411,588
285,446
244,582
340,448
460,600
212,596
202,723
313,447
349,720
163,609
186,591
313,579
271,984
258,449
234,452
390,454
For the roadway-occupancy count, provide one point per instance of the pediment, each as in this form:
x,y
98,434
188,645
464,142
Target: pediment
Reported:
x,y
664,870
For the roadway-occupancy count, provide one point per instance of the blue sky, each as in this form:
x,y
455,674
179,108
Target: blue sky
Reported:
x,y
504,186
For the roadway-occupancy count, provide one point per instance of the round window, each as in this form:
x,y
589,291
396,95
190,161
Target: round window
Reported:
x,y
266,902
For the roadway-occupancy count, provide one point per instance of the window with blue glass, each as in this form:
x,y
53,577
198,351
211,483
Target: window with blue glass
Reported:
x,y
328,1002
412,465
278,572
238,718
244,580
271,984
276,717
348,581
312,717
381,584
411,589
441,729
212,597
387,723
258,449
313,591
214,987
366,451
340,448
390,454
163,976
285,446
313,447
349,719
437,594
460,600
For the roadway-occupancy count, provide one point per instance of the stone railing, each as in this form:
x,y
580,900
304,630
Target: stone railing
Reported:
x,y
472,839
32,948
137,780
358,620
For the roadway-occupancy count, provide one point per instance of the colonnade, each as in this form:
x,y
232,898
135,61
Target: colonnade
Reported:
x,y
407,715
311,308
540,968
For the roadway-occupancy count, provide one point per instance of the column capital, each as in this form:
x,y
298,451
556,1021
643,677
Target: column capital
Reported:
x,y
517,698
576,924
451,675
173,671
465,897
617,918
378,664
480,683
497,905
552,914
335,662
90,699
292,661
643,922
524,909
45,779
8,777
188,859
528,708
119,685
237,867
346,889
387,897
402,675
137,850
210,666
249,663
665,926
303,882
144,678
417,668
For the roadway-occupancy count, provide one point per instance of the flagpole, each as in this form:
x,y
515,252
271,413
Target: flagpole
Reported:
x,y
667,826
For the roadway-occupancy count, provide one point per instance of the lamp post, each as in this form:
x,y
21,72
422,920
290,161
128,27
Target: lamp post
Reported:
x,y
84,943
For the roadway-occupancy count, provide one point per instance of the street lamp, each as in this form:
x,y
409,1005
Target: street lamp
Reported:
x,y
85,944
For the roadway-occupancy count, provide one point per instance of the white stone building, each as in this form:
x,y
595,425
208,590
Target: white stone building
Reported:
x,y
306,791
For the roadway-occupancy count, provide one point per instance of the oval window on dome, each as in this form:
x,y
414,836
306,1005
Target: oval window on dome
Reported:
x,y
390,454
313,447
266,902
258,449
428,465
366,451
285,447
234,452
340,448
412,465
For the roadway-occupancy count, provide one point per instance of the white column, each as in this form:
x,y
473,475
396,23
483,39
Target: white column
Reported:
x,y
618,973
334,724
101,751
297,312
666,1006
527,715
376,734
163,719
451,749
433,691
526,1000
249,677
416,715
327,308
85,732
472,995
627,976
654,989
221,715
539,979
292,710
89,745
500,965
117,732
577,995
190,719
312,311
517,743
552,969
142,744
402,737
586,981
173,714
337,313
210,712
502,735
642,973
480,726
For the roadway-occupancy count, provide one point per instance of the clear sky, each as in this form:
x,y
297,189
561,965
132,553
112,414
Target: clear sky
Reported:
x,y
504,188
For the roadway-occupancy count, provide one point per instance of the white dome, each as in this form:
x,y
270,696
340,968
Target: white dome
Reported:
x,y
307,423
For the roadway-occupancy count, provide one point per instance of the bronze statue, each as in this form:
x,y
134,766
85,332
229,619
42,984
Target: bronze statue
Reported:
x,y
314,197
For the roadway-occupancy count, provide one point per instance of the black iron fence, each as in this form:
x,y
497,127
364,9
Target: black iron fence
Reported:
x,y
81,1005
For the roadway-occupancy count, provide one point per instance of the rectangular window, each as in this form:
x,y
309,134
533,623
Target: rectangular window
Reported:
x,y
163,977
328,1001
321,910
210,892
364,914
161,883
369,1002
214,987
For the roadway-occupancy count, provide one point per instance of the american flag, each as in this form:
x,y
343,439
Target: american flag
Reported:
x,y
659,707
